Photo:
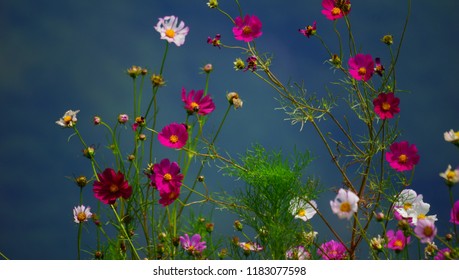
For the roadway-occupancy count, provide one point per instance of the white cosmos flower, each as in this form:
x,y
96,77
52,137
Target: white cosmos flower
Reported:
x,y
81,213
303,209
410,205
69,119
171,30
451,176
345,204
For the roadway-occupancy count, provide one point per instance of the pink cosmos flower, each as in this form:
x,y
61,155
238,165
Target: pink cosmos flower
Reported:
x,y
335,9
361,67
195,103
247,29
193,245
166,178
251,63
332,250
425,229
81,214
214,41
379,68
386,105
441,254
173,136
396,241
310,30
250,246
455,213
402,156
170,31
110,186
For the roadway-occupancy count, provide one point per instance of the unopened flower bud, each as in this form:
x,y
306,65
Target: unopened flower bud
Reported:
x,y
387,39
380,217
123,118
81,181
201,178
201,220
449,237
235,240
233,99
157,80
89,152
134,71
210,227
96,120
208,68
239,64
98,255
335,60
238,225
131,157
142,137
160,249
175,241
223,252
162,236
212,4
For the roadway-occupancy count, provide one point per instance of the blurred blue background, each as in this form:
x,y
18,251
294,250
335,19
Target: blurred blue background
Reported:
x,y
60,55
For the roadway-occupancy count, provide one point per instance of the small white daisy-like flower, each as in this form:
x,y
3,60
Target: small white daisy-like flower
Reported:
x,y
81,213
451,136
171,30
69,119
450,175
303,209
345,204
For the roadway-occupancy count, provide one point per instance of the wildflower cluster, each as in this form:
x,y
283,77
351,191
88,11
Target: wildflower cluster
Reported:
x,y
373,202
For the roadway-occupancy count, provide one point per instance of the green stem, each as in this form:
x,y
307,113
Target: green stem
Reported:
x,y
134,251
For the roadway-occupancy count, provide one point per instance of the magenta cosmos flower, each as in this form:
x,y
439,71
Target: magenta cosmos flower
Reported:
x,y
193,245
386,105
196,103
442,254
455,213
402,156
396,241
332,250
247,29
173,136
171,31
309,30
166,178
335,9
361,67
110,186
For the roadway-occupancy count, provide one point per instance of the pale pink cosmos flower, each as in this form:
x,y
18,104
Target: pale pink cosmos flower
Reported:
x,y
303,209
247,29
192,245
196,103
173,136
81,214
386,105
361,67
332,250
250,246
345,204
335,9
411,207
425,230
171,30
298,253
402,156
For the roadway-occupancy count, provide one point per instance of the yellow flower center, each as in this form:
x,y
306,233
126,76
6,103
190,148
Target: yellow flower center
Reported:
x,y
345,207
173,138
301,213
407,205
456,133
451,175
247,246
167,177
114,188
385,106
170,33
81,216
362,71
336,11
428,231
398,243
421,216
402,158
67,119
194,106
247,30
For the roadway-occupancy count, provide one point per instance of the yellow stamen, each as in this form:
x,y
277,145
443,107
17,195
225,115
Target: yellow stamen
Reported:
x,y
173,138
301,213
345,207
67,119
402,158
421,216
398,243
385,106
170,33
407,205
247,30
114,188
450,175
81,216
167,177
336,11
428,231
362,71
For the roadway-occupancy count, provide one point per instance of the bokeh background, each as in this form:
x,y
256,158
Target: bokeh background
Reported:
x,y
60,55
